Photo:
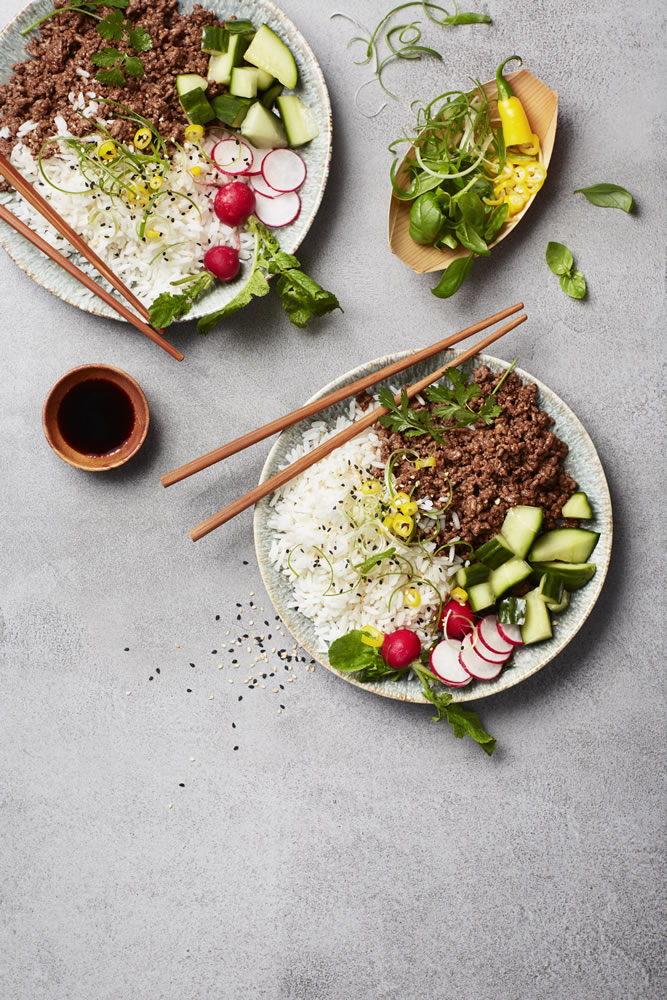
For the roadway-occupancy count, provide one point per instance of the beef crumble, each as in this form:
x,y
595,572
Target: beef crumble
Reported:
x,y
516,460
39,87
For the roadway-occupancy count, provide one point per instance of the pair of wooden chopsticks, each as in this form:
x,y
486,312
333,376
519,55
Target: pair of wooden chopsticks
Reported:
x,y
24,188
282,477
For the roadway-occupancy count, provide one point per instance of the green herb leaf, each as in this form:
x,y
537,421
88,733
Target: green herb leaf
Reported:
x,y
472,210
573,284
106,57
111,77
134,66
495,222
453,277
365,567
462,720
608,196
472,239
403,420
255,287
139,39
350,654
112,27
559,258
119,4
169,306
426,218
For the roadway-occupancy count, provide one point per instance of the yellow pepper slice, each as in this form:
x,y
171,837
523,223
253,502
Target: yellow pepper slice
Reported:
x,y
142,138
403,525
493,201
399,499
194,133
369,487
388,521
516,200
156,182
460,595
532,148
412,597
427,463
371,636
107,151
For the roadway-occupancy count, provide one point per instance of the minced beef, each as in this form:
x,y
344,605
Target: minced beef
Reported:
x,y
516,460
39,87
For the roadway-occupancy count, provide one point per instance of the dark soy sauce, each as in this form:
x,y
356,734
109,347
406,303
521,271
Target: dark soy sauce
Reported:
x,y
96,417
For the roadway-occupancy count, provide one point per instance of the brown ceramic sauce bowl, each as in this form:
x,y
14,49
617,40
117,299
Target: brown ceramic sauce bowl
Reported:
x,y
95,417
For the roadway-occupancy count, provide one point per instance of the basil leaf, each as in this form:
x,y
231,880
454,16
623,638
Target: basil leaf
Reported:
x,y
573,284
446,239
559,258
418,185
426,218
496,221
106,57
472,210
453,277
471,239
608,196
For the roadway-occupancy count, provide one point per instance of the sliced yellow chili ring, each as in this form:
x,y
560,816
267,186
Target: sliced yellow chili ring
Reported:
x,y
155,183
388,521
493,201
107,150
195,171
369,487
506,174
371,636
410,508
194,133
516,200
531,148
399,500
460,595
412,597
403,526
142,138
520,174
429,463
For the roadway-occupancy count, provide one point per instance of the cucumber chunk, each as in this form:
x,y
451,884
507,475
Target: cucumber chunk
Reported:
x,y
495,552
560,606
197,107
551,588
572,545
508,575
230,110
573,575
268,98
537,625
577,506
241,26
263,128
264,79
221,64
268,52
512,611
185,82
481,596
214,38
520,527
243,82
468,576
298,120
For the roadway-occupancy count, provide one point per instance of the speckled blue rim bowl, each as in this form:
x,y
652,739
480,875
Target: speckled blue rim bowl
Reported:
x,y
582,463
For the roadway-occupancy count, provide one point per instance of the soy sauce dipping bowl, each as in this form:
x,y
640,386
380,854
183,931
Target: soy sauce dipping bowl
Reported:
x,y
126,449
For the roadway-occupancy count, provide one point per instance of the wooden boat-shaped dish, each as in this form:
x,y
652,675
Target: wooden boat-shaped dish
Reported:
x,y
541,106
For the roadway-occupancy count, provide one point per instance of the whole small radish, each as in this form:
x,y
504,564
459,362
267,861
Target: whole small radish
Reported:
x,y
457,619
223,262
400,648
233,203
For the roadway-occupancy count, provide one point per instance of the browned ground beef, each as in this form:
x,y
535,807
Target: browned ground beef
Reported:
x,y
517,460
39,87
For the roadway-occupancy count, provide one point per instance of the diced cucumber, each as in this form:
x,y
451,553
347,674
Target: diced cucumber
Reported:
x,y
263,128
551,588
185,82
197,107
230,110
508,575
214,38
494,553
300,125
243,82
468,576
481,596
268,98
573,575
512,611
241,26
561,605
520,527
573,545
268,52
577,506
264,79
220,66
537,625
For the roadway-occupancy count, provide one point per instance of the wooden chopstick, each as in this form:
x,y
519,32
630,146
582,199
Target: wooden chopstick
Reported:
x,y
81,276
303,463
275,426
25,188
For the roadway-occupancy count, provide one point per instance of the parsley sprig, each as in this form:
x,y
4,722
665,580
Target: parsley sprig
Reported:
x,y
453,407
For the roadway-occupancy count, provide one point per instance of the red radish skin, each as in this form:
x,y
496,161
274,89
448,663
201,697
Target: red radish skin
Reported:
x,y
490,638
258,157
475,665
487,654
510,633
284,170
457,620
401,648
223,262
445,663
232,157
234,202
277,212
260,186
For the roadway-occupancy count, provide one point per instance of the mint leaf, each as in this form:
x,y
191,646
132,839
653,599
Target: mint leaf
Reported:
x,y
134,66
112,26
106,57
139,39
111,77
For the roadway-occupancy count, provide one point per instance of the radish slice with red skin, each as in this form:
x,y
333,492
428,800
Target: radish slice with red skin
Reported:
x,y
491,638
284,170
259,185
277,212
473,663
490,655
445,664
232,156
258,157
510,633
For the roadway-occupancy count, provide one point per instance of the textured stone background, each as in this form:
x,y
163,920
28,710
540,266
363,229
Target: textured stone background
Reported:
x,y
349,849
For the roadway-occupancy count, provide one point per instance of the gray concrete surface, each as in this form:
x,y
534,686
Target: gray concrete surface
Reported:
x,y
349,849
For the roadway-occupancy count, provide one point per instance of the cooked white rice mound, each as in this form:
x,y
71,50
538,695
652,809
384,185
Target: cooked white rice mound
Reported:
x,y
313,512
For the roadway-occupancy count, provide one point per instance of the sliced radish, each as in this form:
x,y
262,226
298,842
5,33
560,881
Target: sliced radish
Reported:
x,y
258,157
232,156
491,638
487,654
259,185
284,170
510,633
444,660
278,212
475,665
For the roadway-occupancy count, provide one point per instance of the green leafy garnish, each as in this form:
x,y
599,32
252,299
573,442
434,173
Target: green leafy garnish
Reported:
x,y
462,720
169,307
366,566
561,262
453,276
79,7
350,654
608,196
401,419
